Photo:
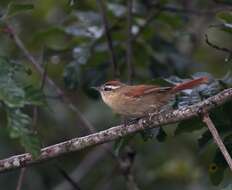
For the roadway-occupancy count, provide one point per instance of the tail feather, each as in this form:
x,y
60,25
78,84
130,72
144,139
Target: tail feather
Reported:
x,y
190,84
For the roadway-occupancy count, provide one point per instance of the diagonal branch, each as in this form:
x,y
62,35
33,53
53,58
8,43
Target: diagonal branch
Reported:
x,y
113,133
217,139
68,178
21,178
41,71
102,8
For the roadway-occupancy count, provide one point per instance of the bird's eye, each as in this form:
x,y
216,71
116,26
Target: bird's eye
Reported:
x,y
107,88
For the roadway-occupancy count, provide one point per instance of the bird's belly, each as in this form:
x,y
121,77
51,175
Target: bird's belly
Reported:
x,y
134,108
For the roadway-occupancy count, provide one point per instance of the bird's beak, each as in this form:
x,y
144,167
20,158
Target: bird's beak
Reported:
x,y
97,88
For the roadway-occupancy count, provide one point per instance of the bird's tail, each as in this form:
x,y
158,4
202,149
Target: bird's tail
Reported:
x,y
190,84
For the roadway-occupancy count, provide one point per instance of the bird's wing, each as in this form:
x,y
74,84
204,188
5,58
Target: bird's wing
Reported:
x,y
141,90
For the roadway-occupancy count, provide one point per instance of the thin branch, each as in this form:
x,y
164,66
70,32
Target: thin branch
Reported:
x,y
149,19
84,167
129,41
44,76
41,71
68,178
20,180
126,162
113,133
216,46
131,183
217,138
102,8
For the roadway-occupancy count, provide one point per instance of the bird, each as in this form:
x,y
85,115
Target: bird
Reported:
x,y
134,101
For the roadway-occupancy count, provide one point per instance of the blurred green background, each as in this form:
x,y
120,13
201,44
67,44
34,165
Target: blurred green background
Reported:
x,y
67,39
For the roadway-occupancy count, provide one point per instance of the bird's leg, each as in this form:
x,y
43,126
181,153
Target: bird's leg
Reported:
x,y
134,120
125,121
130,121
147,134
161,110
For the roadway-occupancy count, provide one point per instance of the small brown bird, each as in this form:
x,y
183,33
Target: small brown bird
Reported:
x,y
139,100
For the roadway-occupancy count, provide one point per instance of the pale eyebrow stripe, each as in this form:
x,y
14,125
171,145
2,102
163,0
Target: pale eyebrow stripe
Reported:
x,y
112,87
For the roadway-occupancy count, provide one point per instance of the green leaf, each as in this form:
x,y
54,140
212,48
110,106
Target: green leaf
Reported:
x,y
13,92
34,96
217,168
16,8
19,128
17,122
32,144
216,173
189,125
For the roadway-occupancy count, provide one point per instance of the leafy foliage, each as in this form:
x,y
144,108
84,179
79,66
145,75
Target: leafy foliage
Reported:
x,y
19,128
15,94
15,8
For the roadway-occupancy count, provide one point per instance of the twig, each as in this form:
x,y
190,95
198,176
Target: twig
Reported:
x,y
126,163
108,37
129,41
84,167
44,76
21,177
148,21
35,112
68,178
131,183
40,70
113,133
216,46
217,138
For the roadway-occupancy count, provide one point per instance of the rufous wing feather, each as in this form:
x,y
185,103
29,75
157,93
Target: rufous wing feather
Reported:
x,y
141,90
